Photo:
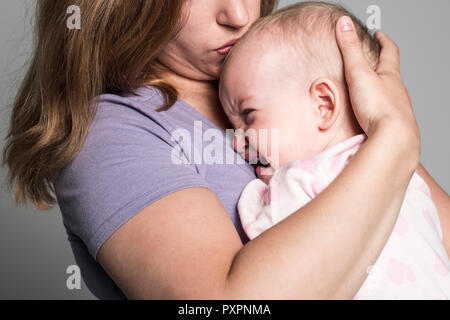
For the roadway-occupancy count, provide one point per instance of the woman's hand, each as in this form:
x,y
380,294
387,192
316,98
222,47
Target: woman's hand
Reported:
x,y
379,98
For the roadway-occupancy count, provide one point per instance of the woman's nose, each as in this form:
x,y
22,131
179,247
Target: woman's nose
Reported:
x,y
233,13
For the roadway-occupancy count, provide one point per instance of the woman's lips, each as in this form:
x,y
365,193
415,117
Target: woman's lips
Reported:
x,y
224,51
226,47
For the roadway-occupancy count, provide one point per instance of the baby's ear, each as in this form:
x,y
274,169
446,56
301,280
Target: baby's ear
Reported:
x,y
326,99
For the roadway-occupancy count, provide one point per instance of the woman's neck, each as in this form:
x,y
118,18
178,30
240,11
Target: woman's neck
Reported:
x,y
203,96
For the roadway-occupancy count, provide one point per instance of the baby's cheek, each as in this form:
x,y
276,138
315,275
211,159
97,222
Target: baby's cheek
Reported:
x,y
291,147
285,152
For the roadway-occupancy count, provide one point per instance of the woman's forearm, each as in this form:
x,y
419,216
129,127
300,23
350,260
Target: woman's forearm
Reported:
x,y
324,249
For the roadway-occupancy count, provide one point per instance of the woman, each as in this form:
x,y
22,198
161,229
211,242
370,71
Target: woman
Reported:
x,y
142,226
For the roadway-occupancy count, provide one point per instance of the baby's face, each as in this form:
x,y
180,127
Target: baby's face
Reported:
x,y
256,94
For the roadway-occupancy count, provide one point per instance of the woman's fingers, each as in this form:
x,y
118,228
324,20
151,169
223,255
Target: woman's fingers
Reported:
x,y
350,45
379,99
390,55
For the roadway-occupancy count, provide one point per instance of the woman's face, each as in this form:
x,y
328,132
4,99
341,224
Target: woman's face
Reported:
x,y
210,29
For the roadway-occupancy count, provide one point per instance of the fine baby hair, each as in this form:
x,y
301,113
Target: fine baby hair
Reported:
x,y
308,30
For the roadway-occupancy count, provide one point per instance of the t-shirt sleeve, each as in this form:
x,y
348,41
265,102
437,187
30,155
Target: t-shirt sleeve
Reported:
x,y
125,165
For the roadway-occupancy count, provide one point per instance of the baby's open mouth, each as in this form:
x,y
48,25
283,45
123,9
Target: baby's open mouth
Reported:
x,y
263,167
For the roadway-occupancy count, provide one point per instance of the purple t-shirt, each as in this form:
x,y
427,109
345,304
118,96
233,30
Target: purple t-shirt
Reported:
x,y
127,163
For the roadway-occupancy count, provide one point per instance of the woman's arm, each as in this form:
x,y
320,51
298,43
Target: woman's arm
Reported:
x,y
327,246
185,246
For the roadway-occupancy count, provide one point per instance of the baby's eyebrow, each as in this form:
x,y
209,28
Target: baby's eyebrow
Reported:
x,y
236,104
235,107
234,113
246,98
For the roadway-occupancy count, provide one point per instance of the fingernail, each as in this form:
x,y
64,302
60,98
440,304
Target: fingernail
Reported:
x,y
346,24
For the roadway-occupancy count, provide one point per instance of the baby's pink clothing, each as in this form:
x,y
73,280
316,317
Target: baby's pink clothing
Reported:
x,y
412,265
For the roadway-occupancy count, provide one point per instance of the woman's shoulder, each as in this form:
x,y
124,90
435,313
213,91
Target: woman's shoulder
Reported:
x,y
147,96
126,162
132,109
125,126
138,113
127,133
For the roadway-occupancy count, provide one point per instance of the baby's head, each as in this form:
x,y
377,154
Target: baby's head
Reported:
x,y
287,73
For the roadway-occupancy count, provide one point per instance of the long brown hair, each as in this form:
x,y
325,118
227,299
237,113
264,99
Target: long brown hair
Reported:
x,y
113,52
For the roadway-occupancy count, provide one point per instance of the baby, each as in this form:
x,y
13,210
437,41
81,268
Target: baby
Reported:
x,y
287,74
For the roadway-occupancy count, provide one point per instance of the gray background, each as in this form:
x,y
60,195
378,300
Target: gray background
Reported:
x,y
33,244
